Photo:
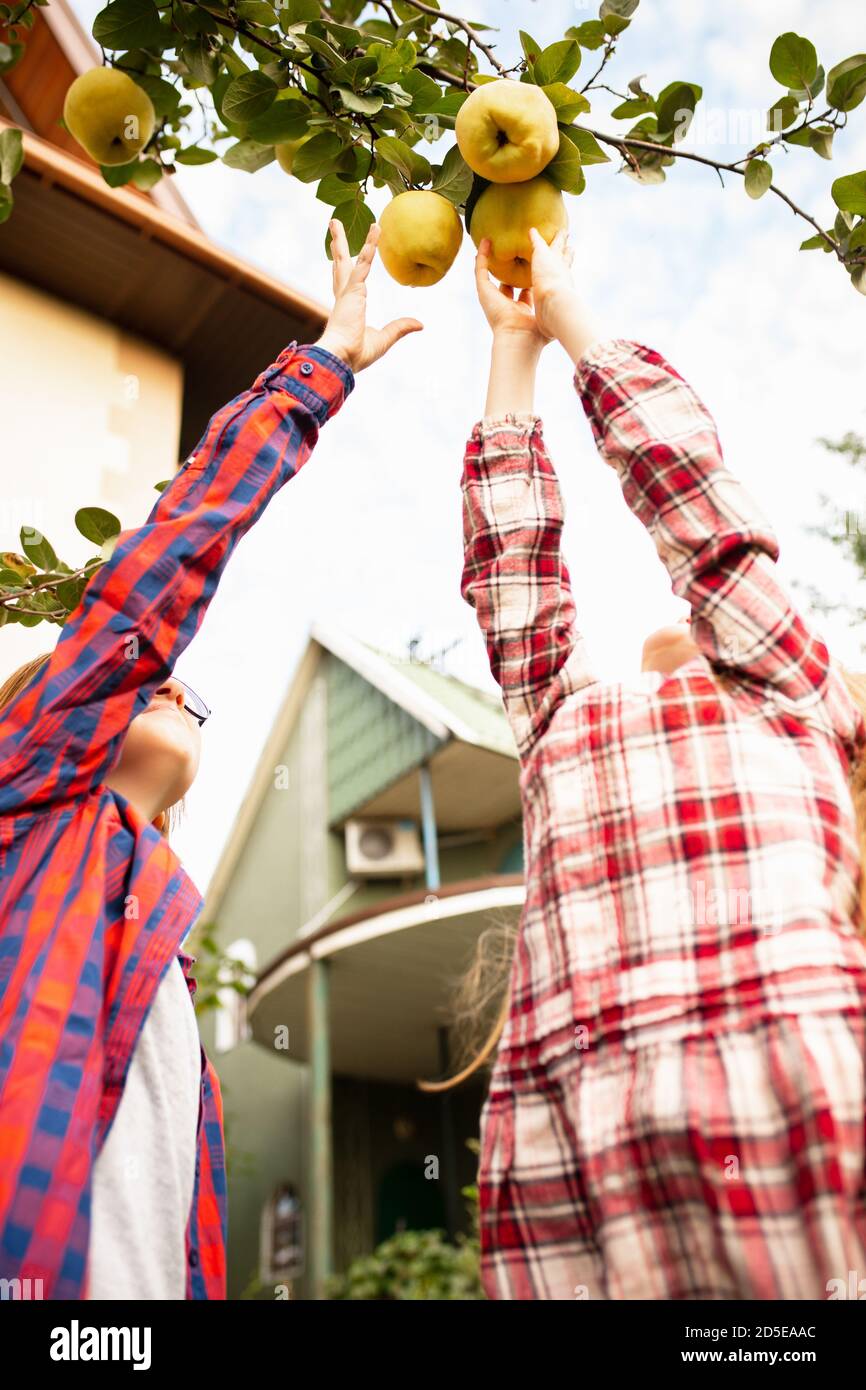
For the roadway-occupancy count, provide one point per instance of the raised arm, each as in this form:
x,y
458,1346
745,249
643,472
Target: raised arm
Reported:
x,y
719,550
514,575
63,733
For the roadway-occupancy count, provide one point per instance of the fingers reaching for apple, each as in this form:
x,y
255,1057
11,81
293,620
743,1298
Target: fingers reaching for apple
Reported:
x,y
552,282
505,313
347,333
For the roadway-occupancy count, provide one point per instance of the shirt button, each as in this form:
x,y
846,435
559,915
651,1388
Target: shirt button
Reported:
x,y
306,369
193,1258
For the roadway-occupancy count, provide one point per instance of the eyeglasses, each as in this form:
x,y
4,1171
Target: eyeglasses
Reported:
x,y
192,703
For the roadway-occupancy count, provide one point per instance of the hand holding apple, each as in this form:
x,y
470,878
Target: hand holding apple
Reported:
x,y
507,316
558,306
346,333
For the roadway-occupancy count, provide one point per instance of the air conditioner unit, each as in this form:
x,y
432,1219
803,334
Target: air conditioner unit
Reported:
x,y
383,849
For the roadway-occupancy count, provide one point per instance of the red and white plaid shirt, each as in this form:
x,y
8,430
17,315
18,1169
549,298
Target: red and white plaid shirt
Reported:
x,y
691,848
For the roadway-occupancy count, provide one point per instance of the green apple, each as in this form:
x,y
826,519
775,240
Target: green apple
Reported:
x,y
507,131
421,235
506,213
109,115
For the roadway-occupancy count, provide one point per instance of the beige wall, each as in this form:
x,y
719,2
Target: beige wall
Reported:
x,y
89,416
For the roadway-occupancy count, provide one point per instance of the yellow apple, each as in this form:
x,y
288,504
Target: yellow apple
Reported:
x,y
507,131
286,152
109,115
421,235
506,213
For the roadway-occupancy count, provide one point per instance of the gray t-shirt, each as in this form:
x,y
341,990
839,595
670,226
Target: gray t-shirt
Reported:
x,y
144,1176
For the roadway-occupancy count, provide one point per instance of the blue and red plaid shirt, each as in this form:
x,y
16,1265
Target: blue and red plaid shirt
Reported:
x,y
94,903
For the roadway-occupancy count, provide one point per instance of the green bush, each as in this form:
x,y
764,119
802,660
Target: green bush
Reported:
x,y
414,1265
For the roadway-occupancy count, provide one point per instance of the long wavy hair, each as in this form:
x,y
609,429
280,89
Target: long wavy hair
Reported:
x,y
483,993
20,679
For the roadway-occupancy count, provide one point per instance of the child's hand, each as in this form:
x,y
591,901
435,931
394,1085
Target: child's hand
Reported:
x,y
556,300
346,333
507,316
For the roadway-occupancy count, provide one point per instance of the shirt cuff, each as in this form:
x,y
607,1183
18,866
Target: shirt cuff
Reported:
x,y
607,352
521,423
316,377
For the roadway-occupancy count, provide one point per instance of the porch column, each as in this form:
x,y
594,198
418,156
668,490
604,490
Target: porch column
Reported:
x,y
321,1179
428,828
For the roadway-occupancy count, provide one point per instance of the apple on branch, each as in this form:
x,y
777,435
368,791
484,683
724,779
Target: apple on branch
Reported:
x,y
506,213
110,116
420,238
507,131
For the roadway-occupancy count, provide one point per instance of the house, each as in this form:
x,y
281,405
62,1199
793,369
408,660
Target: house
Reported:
x,y
380,835
124,327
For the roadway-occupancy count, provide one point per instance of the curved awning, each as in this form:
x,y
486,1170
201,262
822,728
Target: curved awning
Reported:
x,y
394,969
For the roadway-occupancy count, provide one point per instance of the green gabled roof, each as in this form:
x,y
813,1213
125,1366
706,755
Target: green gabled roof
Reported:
x,y
479,710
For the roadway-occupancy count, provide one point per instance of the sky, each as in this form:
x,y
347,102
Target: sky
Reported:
x,y
368,537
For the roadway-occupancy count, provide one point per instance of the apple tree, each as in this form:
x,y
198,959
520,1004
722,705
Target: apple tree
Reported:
x,y
364,96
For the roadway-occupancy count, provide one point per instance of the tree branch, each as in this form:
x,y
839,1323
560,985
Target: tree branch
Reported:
x,y
625,143
472,34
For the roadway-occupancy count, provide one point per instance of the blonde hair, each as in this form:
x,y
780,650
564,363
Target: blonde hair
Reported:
x,y
20,679
488,978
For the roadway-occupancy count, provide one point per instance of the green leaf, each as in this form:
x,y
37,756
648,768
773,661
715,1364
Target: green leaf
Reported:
x,y
118,175
413,166
849,193
287,119
454,179
37,549
164,96
128,24
96,524
318,157
675,107
194,154
446,108
11,579
615,25
846,83
793,61
588,148
202,62
815,243
70,593
759,176
300,11
7,202
782,113
422,89
565,169
858,278
567,101
366,103
357,218
589,35
249,156
635,106
11,155
821,140
531,49
857,239
256,12
248,97
558,63
146,173
624,9
335,189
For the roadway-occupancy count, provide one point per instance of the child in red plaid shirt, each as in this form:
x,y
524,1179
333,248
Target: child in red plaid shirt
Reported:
x,y
677,1105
